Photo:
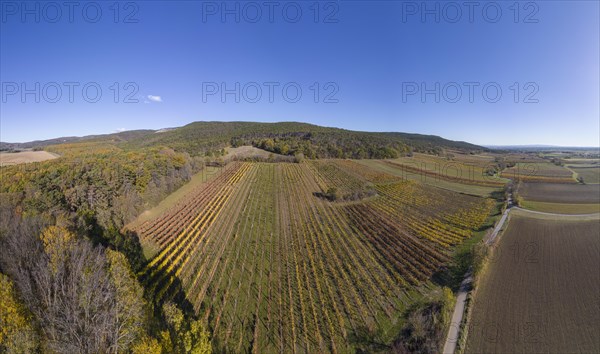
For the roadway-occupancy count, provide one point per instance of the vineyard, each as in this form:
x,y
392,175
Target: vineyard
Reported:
x,y
273,268
461,169
451,172
542,172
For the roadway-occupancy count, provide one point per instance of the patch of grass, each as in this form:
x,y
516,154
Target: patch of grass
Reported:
x,y
561,208
425,323
149,248
466,254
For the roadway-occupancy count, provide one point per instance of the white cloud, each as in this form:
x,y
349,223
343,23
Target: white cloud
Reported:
x,y
120,130
154,98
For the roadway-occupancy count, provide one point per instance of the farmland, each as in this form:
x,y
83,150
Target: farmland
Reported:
x,y
272,267
539,172
461,168
393,171
561,193
539,293
272,252
586,168
561,208
15,158
590,174
299,177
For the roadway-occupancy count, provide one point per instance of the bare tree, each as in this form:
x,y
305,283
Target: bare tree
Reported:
x,y
82,302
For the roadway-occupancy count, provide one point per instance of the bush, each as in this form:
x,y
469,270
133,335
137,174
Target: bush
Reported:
x,y
426,325
299,157
332,194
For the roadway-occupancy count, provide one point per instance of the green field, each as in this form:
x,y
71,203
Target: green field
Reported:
x,y
561,208
584,161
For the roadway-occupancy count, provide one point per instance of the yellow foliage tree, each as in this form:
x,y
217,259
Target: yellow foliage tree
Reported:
x,y
187,336
197,339
147,345
57,242
16,332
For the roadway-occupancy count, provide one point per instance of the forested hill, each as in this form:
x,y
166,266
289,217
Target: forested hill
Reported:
x,y
287,138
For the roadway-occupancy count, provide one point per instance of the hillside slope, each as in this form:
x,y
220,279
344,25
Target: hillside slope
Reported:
x,y
287,138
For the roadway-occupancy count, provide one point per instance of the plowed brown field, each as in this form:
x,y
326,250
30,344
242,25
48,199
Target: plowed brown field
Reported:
x,y
540,293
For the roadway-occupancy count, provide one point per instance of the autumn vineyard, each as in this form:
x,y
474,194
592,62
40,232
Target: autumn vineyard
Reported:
x,y
273,267
299,177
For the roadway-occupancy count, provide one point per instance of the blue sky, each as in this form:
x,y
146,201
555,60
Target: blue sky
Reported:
x,y
366,64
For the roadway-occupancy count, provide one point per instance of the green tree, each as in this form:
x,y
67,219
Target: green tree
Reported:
x,y
146,345
268,144
284,149
184,335
128,304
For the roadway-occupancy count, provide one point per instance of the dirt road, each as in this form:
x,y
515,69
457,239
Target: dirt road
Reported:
x,y
461,297
457,315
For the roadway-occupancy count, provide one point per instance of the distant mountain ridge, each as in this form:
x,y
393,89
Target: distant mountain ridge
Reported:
x,y
541,147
